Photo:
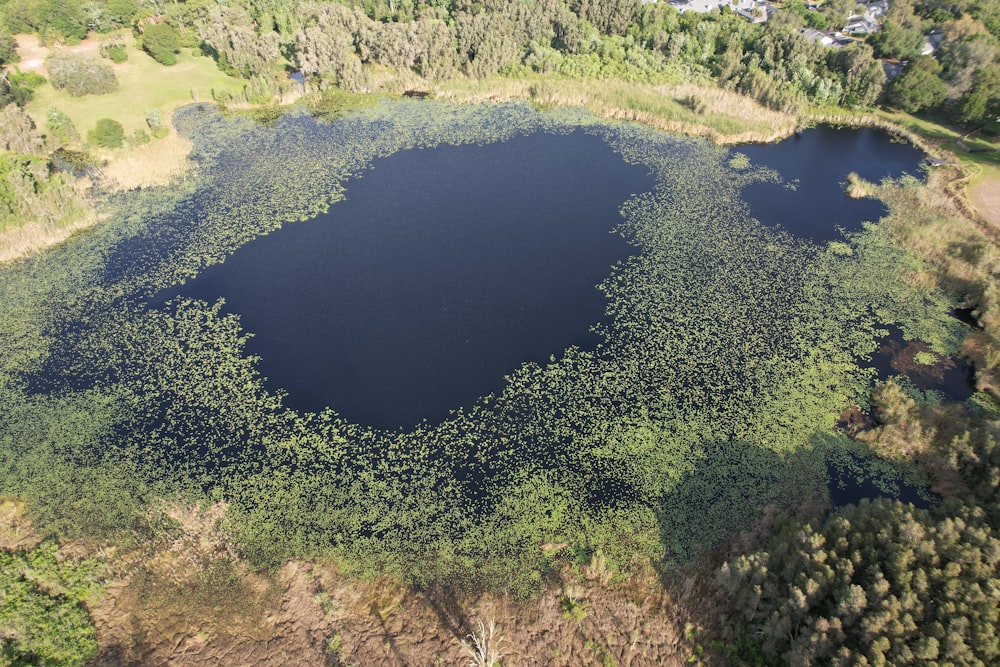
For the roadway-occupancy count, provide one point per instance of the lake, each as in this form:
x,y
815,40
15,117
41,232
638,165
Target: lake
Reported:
x,y
446,268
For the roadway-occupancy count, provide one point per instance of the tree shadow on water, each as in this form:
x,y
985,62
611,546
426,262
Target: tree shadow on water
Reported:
x,y
723,494
727,490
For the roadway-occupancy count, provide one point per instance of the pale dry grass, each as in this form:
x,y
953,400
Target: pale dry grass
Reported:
x,y
154,164
985,195
725,117
34,235
15,527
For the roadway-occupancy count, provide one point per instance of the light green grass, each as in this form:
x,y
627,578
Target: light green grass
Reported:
x,y
976,149
144,84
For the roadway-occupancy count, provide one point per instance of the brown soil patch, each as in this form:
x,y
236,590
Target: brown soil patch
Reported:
x,y
311,616
189,601
985,196
33,53
15,529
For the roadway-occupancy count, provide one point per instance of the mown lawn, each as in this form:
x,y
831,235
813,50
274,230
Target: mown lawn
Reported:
x,y
143,84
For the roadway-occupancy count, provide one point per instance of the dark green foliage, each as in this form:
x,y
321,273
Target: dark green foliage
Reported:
x,y
108,133
18,87
608,16
982,105
162,42
919,87
902,33
77,162
879,583
7,46
80,75
43,620
28,191
60,20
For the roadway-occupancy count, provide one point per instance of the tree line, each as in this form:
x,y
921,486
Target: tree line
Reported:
x,y
338,43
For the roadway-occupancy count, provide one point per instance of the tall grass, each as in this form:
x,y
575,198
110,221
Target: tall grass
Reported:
x,y
154,164
723,116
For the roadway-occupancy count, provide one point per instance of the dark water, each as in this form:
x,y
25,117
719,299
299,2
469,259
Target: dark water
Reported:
x,y
953,378
444,270
818,162
447,268
846,489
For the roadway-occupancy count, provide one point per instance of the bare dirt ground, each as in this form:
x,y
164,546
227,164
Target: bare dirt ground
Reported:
x,y
985,196
190,601
317,618
33,53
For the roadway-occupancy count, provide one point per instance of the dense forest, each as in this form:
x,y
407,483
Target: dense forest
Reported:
x,y
879,583
338,43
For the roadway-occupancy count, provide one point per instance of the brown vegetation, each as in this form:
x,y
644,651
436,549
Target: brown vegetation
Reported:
x,y
190,601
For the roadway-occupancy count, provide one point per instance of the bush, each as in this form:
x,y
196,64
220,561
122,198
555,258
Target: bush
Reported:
x,y
114,50
7,46
108,133
81,75
60,126
162,42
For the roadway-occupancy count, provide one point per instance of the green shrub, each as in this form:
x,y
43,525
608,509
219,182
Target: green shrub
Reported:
x,y
81,75
114,50
162,42
108,133
61,126
41,610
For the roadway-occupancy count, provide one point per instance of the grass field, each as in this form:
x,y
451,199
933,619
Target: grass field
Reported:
x,y
143,84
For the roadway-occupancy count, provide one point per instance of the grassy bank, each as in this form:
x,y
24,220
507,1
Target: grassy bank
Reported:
x,y
692,109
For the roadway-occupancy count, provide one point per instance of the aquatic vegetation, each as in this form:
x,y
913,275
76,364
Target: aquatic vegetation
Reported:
x,y
728,346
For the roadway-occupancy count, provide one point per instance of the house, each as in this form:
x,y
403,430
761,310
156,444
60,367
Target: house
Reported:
x,y
755,11
824,38
892,69
697,6
932,42
877,9
861,25
829,38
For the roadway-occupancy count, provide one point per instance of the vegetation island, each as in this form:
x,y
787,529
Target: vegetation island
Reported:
x,y
662,499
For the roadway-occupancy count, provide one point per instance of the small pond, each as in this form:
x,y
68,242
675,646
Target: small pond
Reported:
x,y
953,378
816,163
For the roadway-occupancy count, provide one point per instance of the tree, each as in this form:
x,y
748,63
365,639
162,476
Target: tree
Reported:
x,y
982,105
107,133
162,42
7,47
961,61
919,87
17,132
861,75
881,583
80,75
902,34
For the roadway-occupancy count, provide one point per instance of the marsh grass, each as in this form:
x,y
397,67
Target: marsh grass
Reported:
x,y
720,115
33,235
150,165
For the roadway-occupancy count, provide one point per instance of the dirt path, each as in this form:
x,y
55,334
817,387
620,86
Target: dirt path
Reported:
x,y
33,53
